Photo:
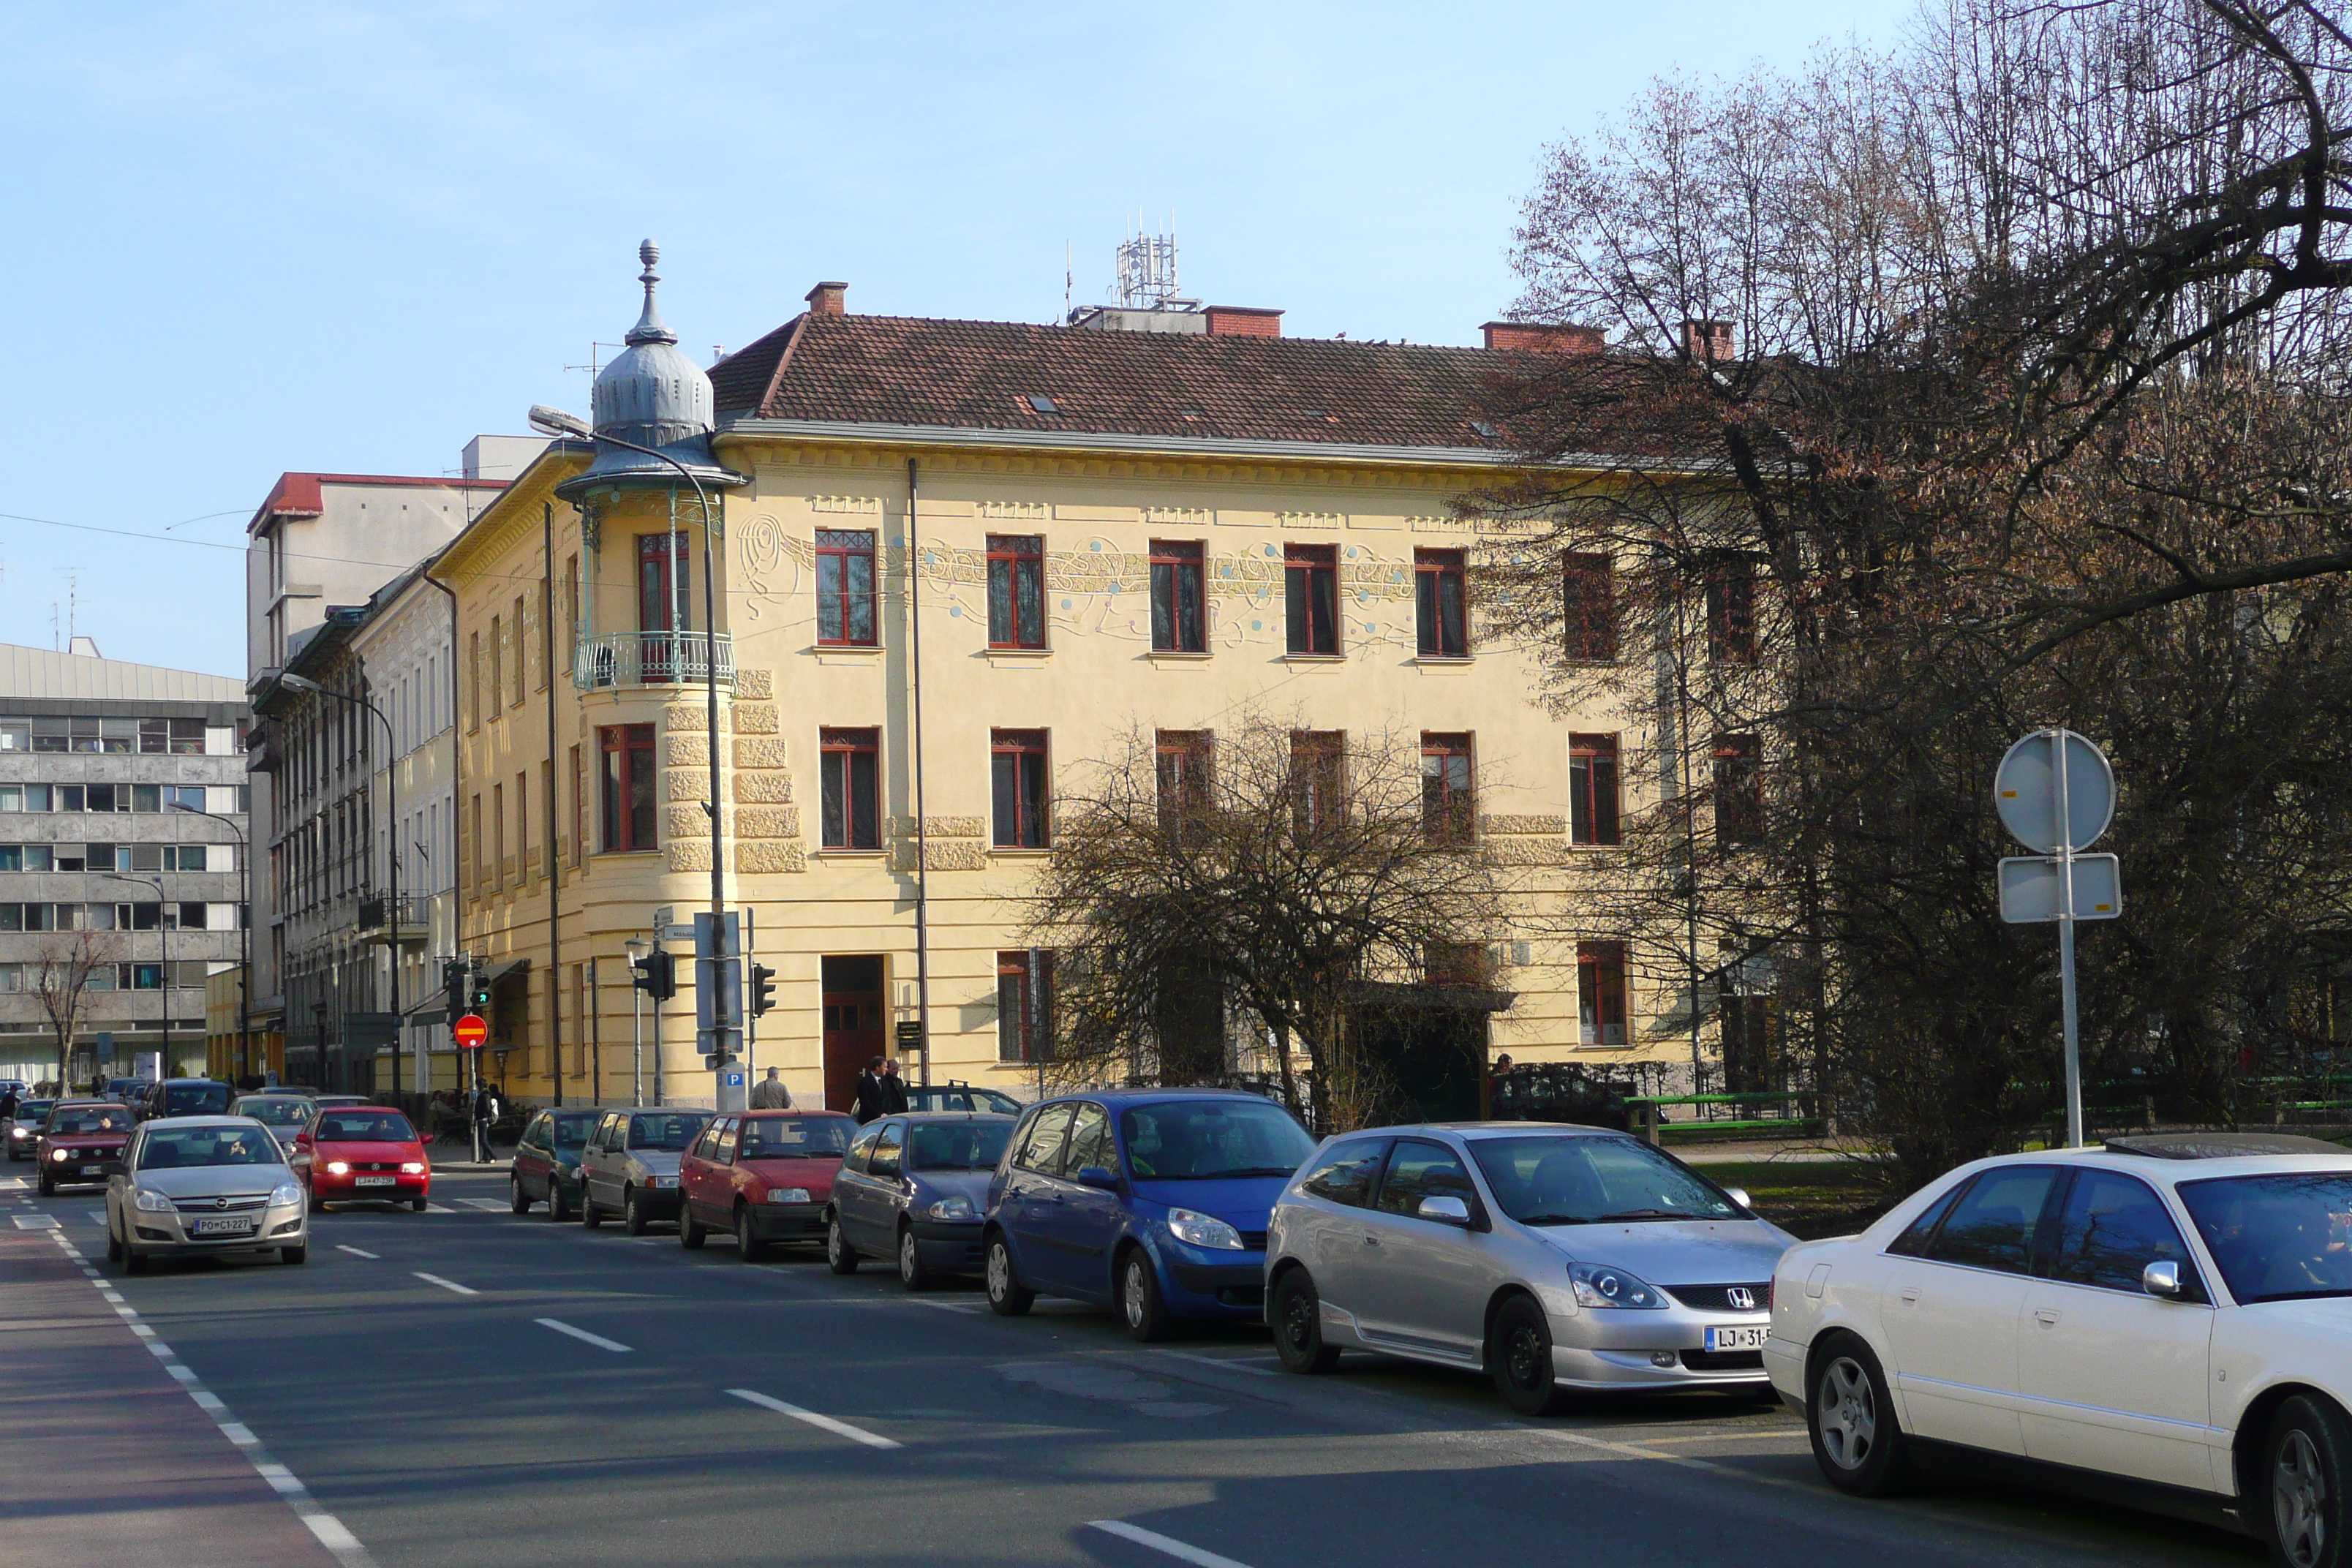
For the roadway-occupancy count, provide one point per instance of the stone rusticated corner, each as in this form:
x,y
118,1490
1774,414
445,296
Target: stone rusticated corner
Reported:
x,y
755,719
768,822
688,783
755,684
693,855
772,855
759,753
763,788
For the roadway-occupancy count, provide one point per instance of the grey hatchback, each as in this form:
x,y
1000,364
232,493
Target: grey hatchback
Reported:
x,y
915,1189
629,1165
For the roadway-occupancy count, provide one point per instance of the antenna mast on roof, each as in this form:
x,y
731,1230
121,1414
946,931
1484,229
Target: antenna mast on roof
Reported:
x,y
1147,271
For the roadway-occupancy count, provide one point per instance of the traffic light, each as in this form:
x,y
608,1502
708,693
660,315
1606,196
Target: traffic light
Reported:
x,y
656,974
763,989
453,984
478,992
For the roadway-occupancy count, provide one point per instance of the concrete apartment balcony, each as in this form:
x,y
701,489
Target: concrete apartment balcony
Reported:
x,y
414,926
618,660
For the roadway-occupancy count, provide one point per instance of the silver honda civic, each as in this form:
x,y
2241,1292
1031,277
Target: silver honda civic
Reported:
x,y
203,1184
1554,1258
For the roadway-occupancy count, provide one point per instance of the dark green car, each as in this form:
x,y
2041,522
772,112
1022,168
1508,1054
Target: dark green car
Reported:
x,y
547,1162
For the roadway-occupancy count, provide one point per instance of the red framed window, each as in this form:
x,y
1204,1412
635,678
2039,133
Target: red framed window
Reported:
x,y
1738,790
1318,759
845,587
628,754
1311,583
1438,591
849,783
1448,807
1182,761
1180,610
1016,590
1592,803
1017,773
1731,611
1589,608
1024,993
1601,992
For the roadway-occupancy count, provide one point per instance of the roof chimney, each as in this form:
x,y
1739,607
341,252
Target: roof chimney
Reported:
x,y
1707,342
1244,322
1541,338
824,299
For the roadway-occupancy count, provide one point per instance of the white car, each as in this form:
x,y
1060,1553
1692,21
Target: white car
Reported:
x,y
2167,1319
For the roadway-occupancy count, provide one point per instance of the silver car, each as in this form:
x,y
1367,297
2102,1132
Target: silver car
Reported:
x,y
203,1184
1553,1258
284,1114
629,1165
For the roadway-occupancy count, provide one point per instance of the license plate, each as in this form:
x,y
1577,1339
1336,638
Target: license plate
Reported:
x,y
91,1170
230,1226
1743,1338
372,1181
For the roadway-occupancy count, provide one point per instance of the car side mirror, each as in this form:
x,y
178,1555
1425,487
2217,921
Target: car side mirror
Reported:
x,y
1096,1176
2161,1279
1739,1196
1444,1210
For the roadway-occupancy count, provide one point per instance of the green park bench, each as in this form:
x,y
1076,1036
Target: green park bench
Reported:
x,y
1726,1115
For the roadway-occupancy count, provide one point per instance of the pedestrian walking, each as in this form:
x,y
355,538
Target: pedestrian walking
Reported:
x,y
8,1104
894,1090
485,1112
770,1093
872,1097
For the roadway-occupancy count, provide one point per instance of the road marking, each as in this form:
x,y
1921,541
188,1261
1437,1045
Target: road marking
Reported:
x,y
446,1284
487,1205
599,1341
357,1252
1218,1362
1634,1451
963,1307
37,1222
98,1216
438,1209
1175,1548
839,1429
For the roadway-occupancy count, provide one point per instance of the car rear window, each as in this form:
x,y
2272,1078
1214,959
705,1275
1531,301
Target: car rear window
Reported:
x,y
281,1112
671,1131
95,1118
184,1147
196,1098
365,1127
35,1109
571,1132
783,1137
960,1145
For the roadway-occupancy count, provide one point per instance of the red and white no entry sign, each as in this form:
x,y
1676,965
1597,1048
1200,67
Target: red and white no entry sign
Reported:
x,y
471,1032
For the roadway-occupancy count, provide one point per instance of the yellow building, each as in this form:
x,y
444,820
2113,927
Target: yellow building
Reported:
x,y
1137,524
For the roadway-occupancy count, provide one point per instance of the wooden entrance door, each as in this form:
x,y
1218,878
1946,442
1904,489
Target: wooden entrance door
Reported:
x,y
853,1024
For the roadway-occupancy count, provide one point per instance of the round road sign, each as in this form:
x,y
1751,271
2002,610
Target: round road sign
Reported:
x,y
471,1032
2025,791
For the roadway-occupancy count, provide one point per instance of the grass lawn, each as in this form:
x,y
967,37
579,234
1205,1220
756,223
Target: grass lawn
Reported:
x,y
1810,1198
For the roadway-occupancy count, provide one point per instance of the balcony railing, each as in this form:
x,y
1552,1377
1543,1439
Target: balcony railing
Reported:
x,y
648,659
415,912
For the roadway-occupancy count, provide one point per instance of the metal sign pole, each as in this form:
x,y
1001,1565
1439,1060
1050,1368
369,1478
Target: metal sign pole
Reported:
x,y
2066,942
636,1047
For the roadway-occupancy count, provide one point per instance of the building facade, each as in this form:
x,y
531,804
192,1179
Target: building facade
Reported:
x,y
124,870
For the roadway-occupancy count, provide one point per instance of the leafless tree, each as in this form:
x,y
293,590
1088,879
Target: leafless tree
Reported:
x,y
1269,875
60,980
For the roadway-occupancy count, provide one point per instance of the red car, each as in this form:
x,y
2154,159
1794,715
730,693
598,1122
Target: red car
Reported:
x,y
82,1141
363,1153
765,1176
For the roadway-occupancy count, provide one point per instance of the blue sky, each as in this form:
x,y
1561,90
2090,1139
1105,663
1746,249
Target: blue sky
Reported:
x,y
251,238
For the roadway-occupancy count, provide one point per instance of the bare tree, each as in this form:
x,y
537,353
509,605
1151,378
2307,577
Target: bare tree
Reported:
x,y
60,980
1273,875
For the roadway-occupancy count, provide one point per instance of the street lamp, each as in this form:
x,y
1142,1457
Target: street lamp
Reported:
x,y
163,931
391,826
244,933
556,421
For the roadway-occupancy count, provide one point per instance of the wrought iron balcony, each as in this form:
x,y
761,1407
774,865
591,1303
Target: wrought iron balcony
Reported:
x,y
415,919
648,659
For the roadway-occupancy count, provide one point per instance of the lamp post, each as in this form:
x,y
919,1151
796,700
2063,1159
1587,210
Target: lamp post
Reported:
x,y
638,948
243,934
556,421
164,931
390,828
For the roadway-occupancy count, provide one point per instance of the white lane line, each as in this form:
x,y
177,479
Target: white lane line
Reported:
x,y
358,1252
1218,1362
487,1205
1682,1461
1175,1548
36,1221
446,1284
98,1216
583,1335
438,1208
827,1423
963,1307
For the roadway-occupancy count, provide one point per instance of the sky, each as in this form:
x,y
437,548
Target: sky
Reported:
x,y
252,237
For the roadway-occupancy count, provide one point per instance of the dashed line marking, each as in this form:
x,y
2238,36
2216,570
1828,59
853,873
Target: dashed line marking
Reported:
x,y
1217,1361
599,1341
360,1252
1183,1551
446,1284
37,1221
825,1423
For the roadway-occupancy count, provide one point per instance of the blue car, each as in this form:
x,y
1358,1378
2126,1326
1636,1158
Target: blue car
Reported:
x,y
1151,1202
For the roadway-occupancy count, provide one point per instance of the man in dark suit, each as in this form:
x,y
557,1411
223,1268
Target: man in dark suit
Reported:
x,y
873,1099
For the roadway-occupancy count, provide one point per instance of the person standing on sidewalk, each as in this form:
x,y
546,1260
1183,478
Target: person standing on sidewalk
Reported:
x,y
770,1093
871,1101
894,1090
485,1112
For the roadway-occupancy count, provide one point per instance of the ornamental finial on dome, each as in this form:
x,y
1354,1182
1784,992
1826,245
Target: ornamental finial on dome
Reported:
x,y
650,328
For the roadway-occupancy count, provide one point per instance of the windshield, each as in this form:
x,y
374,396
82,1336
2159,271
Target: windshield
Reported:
x,y
1578,1180
35,1109
365,1127
959,1145
2277,1238
275,1112
182,1148
91,1119
571,1132
785,1137
1212,1140
666,1131
196,1098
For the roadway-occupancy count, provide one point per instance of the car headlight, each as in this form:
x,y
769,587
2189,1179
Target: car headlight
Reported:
x,y
148,1202
957,1207
1203,1230
412,1167
16,1132
338,1167
1598,1285
59,1155
285,1192
788,1195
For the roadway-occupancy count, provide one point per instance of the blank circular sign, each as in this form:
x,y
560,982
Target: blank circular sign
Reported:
x,y
2025,791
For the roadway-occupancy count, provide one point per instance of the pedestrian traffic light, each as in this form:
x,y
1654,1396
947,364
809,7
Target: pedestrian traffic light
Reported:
x,y
763,989
478,992
656,974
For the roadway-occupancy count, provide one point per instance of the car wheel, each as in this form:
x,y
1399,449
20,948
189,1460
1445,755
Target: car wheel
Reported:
x,y
1298,1319
416,1204
516,1199
558,1207
1850,1419
1519,1353
590,1215
317,1203
838,1254
1139,1303
49,1187
748,1247
113,1244
2305,1456
1007,1297
632,1212
134,1260
912,1273
295,1253
690,1232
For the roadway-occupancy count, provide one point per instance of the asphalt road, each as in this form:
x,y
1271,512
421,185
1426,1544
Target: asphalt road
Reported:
x,y
468,1388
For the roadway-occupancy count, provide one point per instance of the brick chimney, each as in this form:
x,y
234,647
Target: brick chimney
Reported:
x,y
824,299
1541,338
1709,341
1242,321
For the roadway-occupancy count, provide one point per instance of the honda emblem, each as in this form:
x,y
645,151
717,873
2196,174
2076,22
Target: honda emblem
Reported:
x,y
1740,1298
